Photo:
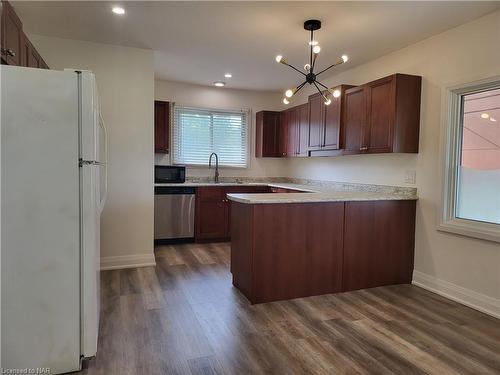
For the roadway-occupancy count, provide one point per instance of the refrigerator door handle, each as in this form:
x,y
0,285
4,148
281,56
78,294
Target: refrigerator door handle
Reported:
x,y
105,195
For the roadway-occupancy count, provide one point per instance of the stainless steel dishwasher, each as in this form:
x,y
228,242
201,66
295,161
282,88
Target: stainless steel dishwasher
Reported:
x,y
174,214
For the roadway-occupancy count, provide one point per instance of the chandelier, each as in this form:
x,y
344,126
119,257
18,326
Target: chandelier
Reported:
x,y
310,76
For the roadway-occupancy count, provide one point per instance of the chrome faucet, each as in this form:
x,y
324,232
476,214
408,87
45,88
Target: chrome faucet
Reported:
x,y
216,176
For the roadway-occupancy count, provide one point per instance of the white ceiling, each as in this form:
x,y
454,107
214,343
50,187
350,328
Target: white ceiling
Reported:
x,y
198,42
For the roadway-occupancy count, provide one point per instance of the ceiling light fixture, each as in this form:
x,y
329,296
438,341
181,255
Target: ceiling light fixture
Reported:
x,y
485,115
228,75
219,84
310,76
493,119
118,10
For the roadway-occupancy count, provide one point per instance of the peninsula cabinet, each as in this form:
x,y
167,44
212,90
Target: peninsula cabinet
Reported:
x,y
325,122
379,240
267,134
382,116
162,126
285,251
291,250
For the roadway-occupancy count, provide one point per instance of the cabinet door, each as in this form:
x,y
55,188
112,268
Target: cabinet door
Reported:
x,y
354,120
34,59
211,213
303,129
12,35
283,135
267,134
378,243
332,124
380,109
162,120
316,119
292,133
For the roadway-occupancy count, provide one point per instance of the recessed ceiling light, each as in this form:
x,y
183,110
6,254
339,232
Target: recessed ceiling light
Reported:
x,y
220,84
485,115
228,75
118,10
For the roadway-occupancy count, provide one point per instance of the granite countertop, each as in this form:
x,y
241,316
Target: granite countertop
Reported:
x,y
311,190
338,196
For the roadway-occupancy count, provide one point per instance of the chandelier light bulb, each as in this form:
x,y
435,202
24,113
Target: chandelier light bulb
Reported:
x,y
316,49
288,93
328,101
336,93
485,115
286,101
307,67
279,58
313,43
493,119
345,58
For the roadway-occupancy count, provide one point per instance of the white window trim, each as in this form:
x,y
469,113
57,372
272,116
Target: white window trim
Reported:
x,y
450,142
250,136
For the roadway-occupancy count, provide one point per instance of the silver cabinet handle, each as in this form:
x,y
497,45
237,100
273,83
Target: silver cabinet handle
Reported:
x,y
363,148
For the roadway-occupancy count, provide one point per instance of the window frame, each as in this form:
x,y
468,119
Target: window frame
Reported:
x,y
249,135
451,143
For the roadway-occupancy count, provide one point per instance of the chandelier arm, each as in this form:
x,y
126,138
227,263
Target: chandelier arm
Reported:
x,y
331,66
319,83
294,68
297,89
321,93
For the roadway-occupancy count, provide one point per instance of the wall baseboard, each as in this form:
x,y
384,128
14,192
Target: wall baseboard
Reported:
x,y
127,261
467,297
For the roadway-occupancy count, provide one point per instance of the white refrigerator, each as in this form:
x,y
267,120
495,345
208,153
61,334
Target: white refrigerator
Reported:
x,y
53,189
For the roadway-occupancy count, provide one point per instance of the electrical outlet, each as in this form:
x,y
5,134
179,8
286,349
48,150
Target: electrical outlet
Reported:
x,y
410,176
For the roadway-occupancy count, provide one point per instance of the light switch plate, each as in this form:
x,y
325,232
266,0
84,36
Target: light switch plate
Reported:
x,y
411,176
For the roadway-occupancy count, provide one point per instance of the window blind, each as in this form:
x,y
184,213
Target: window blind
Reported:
x,y
197,132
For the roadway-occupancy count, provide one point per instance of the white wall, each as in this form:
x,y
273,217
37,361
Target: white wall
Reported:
x,y
459,55
225,98
125,81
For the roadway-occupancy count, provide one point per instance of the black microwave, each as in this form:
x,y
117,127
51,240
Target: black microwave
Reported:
x,y
169,174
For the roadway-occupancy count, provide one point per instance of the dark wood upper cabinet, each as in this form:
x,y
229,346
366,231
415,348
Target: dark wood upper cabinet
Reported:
x,y
12,35
325,122
267,134
354,119
303,129
162,128
16,48
316,118
383,116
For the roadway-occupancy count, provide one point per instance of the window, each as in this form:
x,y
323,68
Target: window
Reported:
x,y
197,132
471,189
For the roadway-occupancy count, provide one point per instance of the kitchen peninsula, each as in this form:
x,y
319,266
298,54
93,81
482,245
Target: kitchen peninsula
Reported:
x,y
292,245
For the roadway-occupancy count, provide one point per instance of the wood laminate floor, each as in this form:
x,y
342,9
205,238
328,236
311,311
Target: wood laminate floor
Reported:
x,y
185,317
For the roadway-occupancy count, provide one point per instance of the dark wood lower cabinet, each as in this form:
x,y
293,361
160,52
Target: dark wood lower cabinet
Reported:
x,y
213,210
291,250
211,214
284,251
378,243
